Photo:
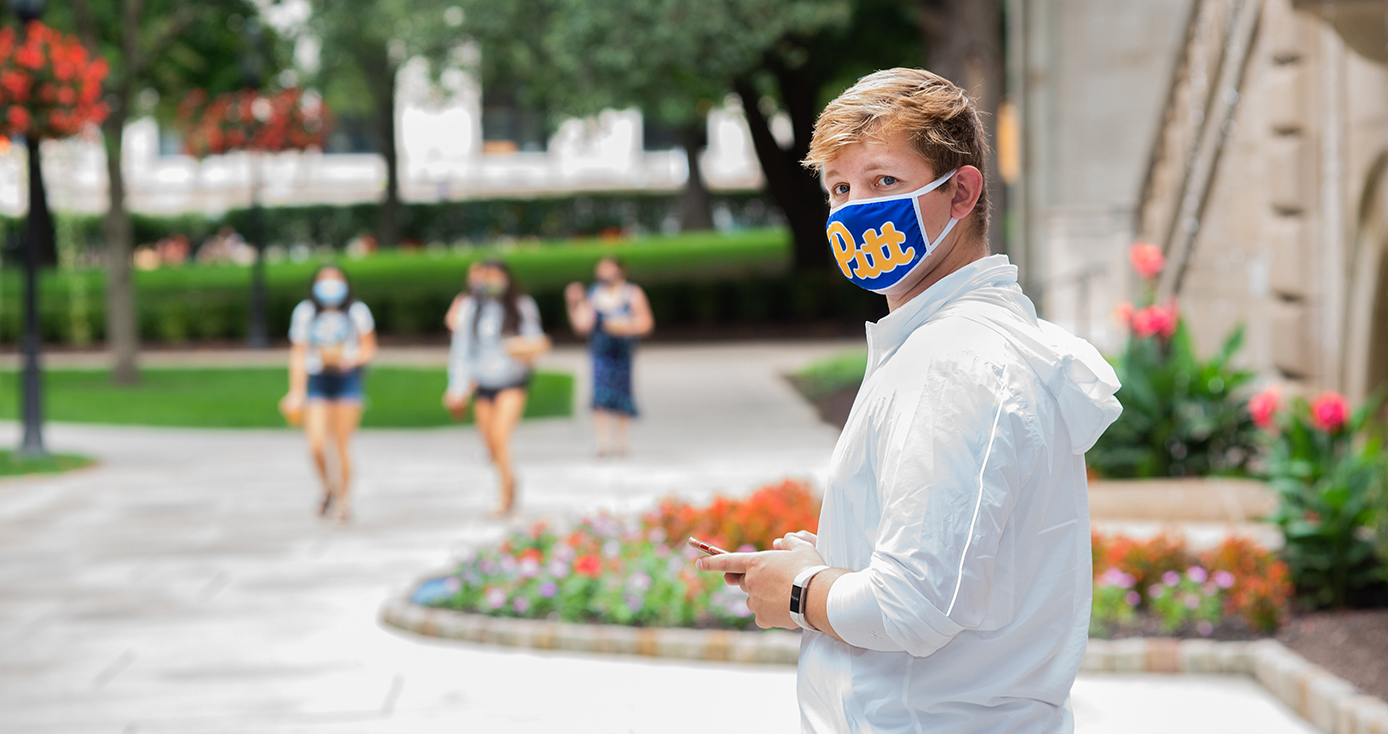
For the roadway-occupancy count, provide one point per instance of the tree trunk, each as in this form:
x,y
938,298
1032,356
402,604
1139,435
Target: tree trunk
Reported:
x,y
792,187
963,43
383,88
696,206
122,334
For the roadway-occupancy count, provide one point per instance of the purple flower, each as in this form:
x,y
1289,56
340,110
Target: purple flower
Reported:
x,y
1155,591
563,551
558,569
634,603
1224,579
496,596
548,589
521,605
1191,600
611,549
639,582
1171,578
529,568
486,567
1197,574
452,584
508,565
1132,598
1204,628
1116,577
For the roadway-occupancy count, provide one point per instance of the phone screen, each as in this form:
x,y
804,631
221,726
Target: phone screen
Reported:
x,y
711,550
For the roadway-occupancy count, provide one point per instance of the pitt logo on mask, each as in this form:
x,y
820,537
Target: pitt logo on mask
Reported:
x,y
878,243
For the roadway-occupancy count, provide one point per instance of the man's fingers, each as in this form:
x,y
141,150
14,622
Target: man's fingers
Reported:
x,y
725,562
734,579
793,541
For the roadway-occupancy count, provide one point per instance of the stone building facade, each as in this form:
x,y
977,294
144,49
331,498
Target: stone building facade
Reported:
x,y
1254,153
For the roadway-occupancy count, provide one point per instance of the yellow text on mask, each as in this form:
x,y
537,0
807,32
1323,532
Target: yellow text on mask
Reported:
x,y
880,253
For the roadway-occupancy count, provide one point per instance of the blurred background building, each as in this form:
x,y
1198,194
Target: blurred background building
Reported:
x,y
1248,139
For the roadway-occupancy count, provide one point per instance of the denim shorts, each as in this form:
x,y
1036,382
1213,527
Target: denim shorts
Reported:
x,y
336,386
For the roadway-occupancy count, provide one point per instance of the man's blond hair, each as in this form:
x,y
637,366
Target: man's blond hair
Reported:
x,y
939,117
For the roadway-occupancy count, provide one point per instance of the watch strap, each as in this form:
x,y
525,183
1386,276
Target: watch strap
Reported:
x,y
800,598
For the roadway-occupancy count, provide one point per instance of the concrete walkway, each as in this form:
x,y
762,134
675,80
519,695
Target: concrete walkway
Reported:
x,y
184,585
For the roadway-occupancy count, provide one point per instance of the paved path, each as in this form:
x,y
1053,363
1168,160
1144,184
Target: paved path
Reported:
x,y
184,585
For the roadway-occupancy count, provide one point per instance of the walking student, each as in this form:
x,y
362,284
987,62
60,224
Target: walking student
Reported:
x,y
334,338
949,587
613,314
496,338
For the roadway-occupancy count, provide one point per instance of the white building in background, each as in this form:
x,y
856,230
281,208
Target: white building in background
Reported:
x,y
443,157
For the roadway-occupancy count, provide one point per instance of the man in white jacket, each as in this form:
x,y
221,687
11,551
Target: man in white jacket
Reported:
x,y
949,587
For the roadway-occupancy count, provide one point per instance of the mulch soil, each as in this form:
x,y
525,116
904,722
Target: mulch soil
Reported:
x,y
1352,644
832,407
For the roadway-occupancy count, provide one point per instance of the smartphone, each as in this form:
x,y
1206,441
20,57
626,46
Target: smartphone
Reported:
x,y
705,548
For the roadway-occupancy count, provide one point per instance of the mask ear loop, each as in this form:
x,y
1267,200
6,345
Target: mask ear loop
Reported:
x,y
920,220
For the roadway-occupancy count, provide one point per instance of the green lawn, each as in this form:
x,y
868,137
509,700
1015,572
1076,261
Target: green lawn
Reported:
x,y
398,397
832,374
11,466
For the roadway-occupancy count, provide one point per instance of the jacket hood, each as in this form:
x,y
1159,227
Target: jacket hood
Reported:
x,y
1081,380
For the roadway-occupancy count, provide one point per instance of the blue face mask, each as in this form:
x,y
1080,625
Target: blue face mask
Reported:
x,y
330,291
878,243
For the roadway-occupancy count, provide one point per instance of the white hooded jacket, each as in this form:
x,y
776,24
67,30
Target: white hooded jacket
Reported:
x,y
957,495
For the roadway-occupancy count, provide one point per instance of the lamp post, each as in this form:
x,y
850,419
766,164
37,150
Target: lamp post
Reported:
x,y
39,232
253,76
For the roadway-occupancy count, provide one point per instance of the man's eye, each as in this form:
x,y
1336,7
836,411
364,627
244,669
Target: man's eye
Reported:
x,y
887,180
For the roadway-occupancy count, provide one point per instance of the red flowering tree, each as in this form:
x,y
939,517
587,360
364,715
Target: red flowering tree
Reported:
x,y
1327,470
255,122
252,121
1181,415
50,88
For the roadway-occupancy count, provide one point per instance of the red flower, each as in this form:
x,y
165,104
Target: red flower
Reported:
x,y
1264,406
19,119
1155,320
1147,259
1330,411
588,565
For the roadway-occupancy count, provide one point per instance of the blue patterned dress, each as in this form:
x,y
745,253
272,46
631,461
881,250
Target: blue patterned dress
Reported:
x,y
611,355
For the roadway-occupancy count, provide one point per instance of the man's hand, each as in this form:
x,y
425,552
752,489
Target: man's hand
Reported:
x,y
767,576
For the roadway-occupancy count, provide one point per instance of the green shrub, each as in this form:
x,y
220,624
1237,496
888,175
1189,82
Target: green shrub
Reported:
x,y
1326,472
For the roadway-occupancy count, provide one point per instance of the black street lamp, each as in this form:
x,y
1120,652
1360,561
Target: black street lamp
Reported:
x,y
39,233
252,66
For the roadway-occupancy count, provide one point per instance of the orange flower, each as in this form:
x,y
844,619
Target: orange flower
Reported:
x,y
588,565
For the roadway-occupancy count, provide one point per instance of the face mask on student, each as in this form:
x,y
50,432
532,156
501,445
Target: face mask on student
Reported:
x,y
878,243
489,289
330,291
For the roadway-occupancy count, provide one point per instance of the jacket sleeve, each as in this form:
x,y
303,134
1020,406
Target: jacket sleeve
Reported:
x,y
529,318
459,359
947,471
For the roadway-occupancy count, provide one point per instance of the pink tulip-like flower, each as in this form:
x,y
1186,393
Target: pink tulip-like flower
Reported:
x,y
1132,598
1153,320
1196,574
1330,411
1264,406
1224,579
1123,313
1147,259
1171,578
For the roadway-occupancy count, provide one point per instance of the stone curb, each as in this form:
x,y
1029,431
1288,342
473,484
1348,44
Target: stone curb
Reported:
x,y
1331,704
772,647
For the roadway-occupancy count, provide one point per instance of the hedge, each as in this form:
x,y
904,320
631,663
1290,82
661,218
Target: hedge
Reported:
x,y
476,221
705,280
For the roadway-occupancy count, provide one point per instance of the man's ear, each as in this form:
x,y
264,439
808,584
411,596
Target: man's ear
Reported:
x,y
967,188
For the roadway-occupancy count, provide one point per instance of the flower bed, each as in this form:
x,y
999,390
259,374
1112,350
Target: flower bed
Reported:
x,y
638,571
1236,590
625,571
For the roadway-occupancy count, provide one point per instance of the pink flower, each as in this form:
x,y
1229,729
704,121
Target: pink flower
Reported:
x,y
1171,578
1147,259
1224,579
1264,406
1132,598
1204,628
1196,574
1154,320
1123,313
1329,411
495,597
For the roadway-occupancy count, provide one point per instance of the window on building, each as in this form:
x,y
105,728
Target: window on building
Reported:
x,y
508,126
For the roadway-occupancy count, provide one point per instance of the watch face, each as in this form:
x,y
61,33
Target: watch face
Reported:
x,y
795,601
